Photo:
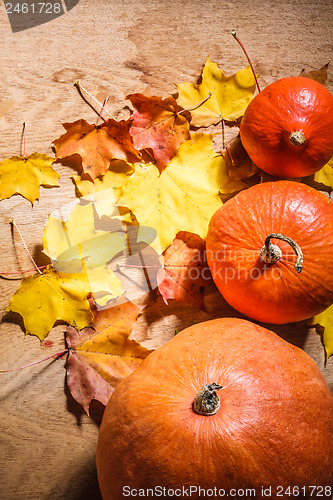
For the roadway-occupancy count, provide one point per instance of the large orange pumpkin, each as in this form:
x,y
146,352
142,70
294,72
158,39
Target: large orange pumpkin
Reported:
x,y
287,129
258,273
226,406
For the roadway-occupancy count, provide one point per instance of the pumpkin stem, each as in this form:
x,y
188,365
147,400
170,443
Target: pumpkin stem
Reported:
x,y
297,138
207,402
271,253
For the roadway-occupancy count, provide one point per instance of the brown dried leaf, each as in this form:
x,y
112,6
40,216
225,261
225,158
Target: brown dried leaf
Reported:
x,y
239,164
101,357
184,272
319,75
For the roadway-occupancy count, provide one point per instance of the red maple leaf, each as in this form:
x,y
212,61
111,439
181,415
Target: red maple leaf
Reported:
x,y
160,124
184,272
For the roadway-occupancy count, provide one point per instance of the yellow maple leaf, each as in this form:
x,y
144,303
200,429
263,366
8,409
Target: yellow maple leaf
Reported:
x,y
24,176
100,358
43,299
184,196
325,320
66,243
230,95
325,174
79,246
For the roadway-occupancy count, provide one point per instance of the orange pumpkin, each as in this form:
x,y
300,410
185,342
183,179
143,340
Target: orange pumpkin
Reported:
x,y
287,129
259,274
226,406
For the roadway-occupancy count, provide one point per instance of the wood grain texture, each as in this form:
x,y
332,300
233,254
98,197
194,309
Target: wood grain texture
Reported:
x,y
113,48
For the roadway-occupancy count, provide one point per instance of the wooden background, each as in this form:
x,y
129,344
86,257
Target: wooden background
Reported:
x,y
47,447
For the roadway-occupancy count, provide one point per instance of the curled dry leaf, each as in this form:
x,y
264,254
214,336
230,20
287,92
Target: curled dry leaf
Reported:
x,y
184,272
239,164
101,357
230,95
97,145
24,175
320,75
160,124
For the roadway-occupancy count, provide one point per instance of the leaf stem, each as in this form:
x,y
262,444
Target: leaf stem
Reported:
x,y
25,246
56,355
21,272
136,266
102,110
234,34
79,86
224,134
24,137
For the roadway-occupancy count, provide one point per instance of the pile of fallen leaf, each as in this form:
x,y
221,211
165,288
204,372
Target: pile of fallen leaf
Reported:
x,y
147,189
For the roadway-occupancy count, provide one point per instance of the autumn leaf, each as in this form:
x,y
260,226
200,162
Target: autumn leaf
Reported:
x,y
43,299
66,243
230,95
325,321
105,191
25,174
184,272
160,124
319,75
239,164
79,245
183,197
101,357
97,145
325,174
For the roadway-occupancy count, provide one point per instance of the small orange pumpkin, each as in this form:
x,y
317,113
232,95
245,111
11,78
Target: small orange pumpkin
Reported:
x,y
226,406
251,245
287,129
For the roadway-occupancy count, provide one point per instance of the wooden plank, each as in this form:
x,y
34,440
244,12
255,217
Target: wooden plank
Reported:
x,y
114,48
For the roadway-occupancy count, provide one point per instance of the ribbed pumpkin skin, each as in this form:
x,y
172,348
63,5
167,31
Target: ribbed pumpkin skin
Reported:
x,y
274,426
286,105
273,293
